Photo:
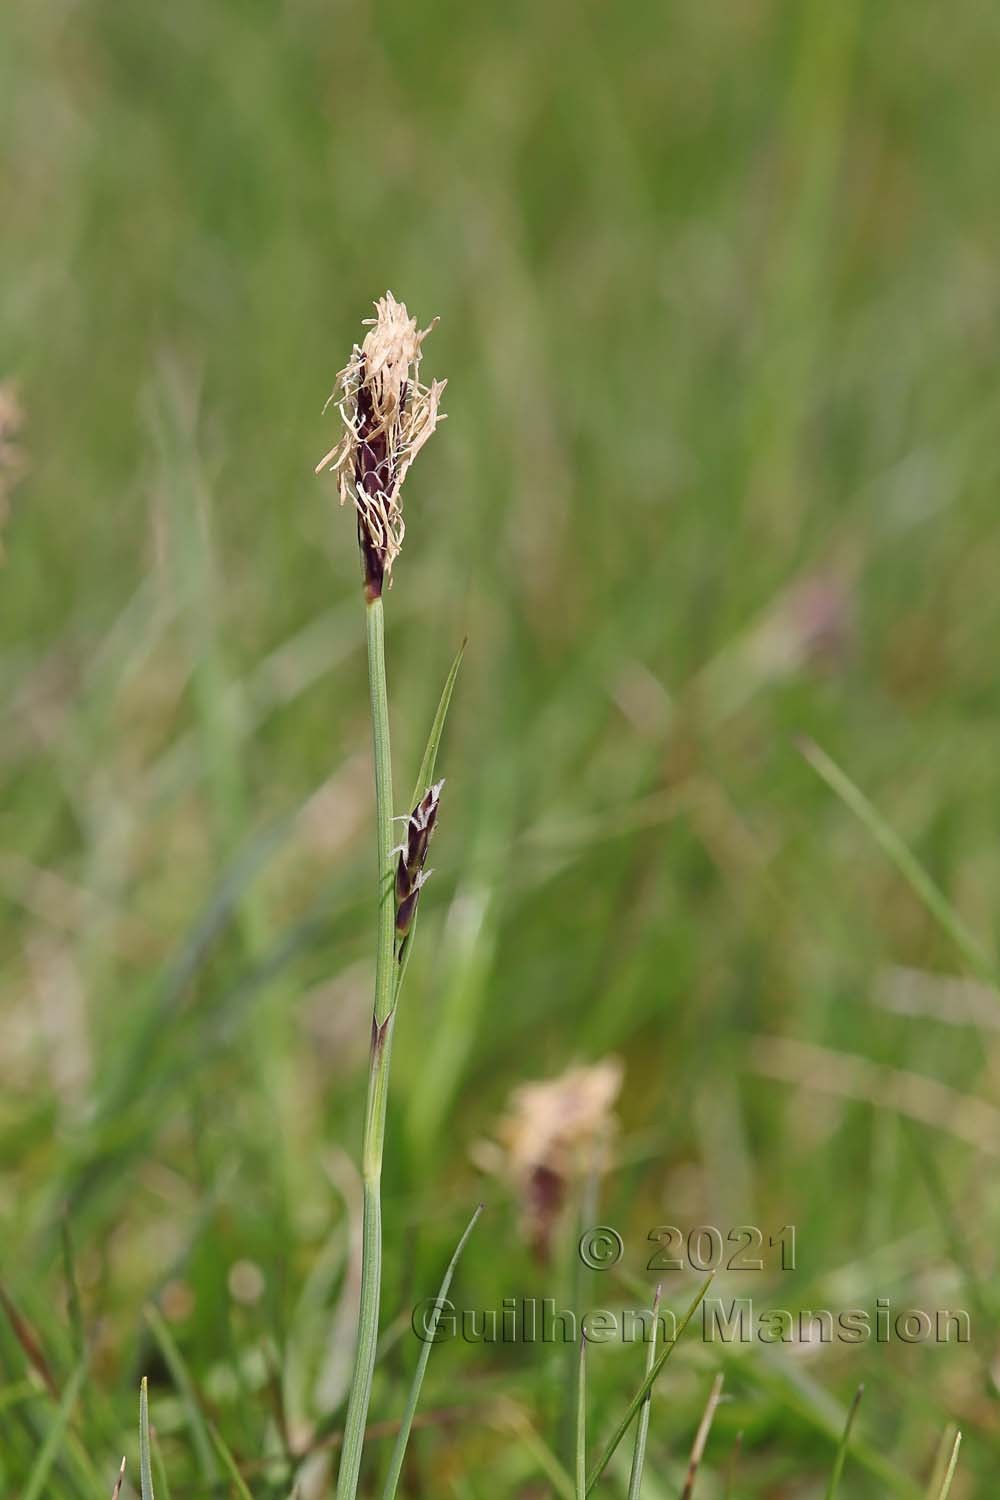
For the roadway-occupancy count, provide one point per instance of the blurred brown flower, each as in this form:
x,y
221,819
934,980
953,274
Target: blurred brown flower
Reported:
x,y
554,1133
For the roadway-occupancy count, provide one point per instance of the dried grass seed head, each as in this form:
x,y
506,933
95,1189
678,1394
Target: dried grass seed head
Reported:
x,y
388,415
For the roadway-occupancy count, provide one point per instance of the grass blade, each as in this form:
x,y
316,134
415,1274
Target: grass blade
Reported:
x,y
229,1463
581,1422
642,1426
942,1493
646,1387
403,1436
160,1467
958,1248
424,778
145,1472
810,1402
53,1438
701,1437
941,1462
889,841
17,1394
842,1446
185,1389
31,1346
426,773
734,1459
531,1440
72,1288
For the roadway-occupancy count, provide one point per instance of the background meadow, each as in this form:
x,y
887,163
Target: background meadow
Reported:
x,y
719,299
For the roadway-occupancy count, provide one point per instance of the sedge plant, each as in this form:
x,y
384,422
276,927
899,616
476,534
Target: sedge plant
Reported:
x,y
387,414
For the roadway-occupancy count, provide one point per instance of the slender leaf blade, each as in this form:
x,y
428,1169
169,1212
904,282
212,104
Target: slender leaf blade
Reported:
x,y
426,773
581,1422
145,1470
229,1463
912,871
642,1426
403,1436
646,1387
38,1477
950,1471
185,1389
843,1445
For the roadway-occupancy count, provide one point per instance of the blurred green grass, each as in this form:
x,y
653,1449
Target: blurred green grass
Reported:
x,y
719,299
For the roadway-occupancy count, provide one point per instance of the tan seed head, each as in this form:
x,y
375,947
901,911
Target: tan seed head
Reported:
x,y
387,415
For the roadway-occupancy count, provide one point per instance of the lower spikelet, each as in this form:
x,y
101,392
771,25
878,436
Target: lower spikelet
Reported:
x,y
387,415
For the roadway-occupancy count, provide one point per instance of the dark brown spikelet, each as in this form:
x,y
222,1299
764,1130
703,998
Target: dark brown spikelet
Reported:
x,y
410,872
373,477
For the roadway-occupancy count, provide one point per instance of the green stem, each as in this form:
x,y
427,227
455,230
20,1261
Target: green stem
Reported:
x,y
378,1075
642,1426
580,1490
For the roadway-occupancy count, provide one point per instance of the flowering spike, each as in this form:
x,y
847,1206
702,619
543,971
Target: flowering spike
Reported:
x,y
388,415
410,872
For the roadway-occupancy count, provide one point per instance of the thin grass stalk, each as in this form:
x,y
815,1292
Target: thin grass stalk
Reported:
x,y
119,1481
979,959
384,967
939,1470
378,1073
647,1385
403,1436
843,1445
145,1471
734,1459
159,1467
229,1463
536,1448
49,1451
642,1426
577,1278
701,1437
181,1376
74,1306
581,1422
952,1466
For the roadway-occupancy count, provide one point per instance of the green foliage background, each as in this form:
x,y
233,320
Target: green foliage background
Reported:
x,y
719,293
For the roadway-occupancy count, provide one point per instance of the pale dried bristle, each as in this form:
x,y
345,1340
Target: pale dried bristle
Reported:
x,y
388,415
118,1482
